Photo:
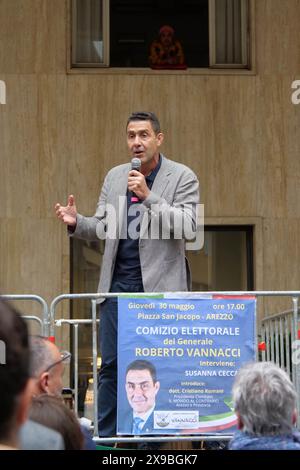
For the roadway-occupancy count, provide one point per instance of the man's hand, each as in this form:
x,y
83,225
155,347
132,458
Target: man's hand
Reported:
x,y
137,184
68,214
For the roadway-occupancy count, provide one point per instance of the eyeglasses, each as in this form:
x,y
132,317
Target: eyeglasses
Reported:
x,y
65,358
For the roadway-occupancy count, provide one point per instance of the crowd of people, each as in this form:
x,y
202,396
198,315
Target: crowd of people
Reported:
x,y
34,416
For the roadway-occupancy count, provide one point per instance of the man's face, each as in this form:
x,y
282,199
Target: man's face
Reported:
x,y
142,141
55,382
141,390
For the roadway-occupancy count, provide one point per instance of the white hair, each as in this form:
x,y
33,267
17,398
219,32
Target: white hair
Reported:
x,y
265,399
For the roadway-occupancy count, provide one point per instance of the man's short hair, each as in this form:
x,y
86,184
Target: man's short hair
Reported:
x,y
145,116
41,354
265,399
143,365
14,372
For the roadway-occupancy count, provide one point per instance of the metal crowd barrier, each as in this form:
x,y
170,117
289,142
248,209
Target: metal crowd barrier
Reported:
x,y
75,323
280,354
42,322
278,334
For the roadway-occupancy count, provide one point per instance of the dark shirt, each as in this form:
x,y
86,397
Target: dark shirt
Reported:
x,y
128,266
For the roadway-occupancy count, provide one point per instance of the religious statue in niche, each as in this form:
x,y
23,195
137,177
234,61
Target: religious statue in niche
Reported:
x,y
166,52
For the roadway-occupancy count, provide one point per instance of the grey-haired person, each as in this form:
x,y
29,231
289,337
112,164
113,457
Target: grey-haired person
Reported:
x,y
265,404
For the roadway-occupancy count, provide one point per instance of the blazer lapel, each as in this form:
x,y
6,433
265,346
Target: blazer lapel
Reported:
x,y
119,200
162,178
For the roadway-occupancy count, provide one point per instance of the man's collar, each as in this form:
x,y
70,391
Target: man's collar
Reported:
x,y
144,416
155,170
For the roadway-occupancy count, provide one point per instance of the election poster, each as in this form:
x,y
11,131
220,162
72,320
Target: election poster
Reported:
x,y
177,359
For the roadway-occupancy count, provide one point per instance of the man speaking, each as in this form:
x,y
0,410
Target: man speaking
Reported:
x,y
145,217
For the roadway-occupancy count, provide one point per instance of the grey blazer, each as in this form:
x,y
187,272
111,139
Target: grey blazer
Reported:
x,y
171,204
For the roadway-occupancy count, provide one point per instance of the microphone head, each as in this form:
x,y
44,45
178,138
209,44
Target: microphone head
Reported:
x,y
136,164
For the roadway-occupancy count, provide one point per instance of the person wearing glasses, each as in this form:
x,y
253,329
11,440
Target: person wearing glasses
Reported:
x,y
47,366
141,387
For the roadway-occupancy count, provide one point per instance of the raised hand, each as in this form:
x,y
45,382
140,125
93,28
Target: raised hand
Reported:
x,y
137,184
68,214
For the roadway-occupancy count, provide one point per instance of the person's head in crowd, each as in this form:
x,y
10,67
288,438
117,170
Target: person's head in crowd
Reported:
x,y
141,386
47,366
50,411
264,400
15,383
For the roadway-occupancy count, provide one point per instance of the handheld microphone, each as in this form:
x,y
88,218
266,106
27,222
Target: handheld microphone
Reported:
x,y
135,165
